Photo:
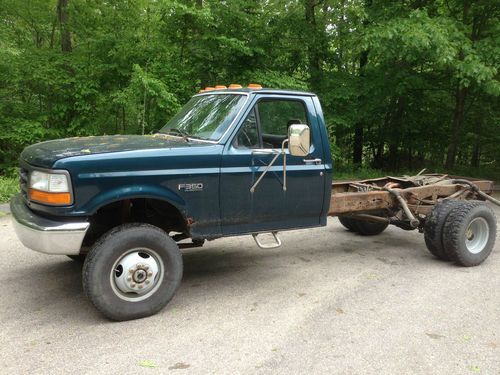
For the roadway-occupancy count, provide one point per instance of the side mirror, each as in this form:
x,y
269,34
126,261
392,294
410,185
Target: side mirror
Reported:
x,y
299,140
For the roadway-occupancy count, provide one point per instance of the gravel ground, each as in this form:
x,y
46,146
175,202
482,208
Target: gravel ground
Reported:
x,y
327,301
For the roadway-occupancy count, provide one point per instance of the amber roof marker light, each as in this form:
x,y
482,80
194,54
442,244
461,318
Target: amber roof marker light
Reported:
x,y
232,86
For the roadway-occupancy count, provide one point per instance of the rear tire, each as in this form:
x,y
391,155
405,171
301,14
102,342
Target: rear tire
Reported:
x,y
132,272
433,228
469,234
348,223
363,227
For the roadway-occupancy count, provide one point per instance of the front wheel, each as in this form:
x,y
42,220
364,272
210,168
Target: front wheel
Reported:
x,y
132,272
80,258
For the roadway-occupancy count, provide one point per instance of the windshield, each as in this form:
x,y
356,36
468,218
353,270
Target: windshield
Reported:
x,y
205,117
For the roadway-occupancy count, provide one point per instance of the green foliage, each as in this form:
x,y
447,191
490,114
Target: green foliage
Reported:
x,y
352,173
391,70
8,187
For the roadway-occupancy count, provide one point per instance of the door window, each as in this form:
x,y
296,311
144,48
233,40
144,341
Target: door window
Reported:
x,y
248,135
272,118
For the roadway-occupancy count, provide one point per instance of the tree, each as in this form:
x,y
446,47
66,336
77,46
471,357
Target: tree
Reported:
x,y
403,84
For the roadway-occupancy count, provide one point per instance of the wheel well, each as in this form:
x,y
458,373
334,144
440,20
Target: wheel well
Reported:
x,y
156,212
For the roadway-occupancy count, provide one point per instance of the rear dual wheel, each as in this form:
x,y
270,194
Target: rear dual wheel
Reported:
x,y
469,234
434,226
462,232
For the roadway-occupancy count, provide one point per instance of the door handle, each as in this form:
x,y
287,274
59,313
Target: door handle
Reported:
x,y
316,161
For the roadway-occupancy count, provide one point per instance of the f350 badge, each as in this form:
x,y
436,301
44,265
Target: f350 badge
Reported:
x,y
190,187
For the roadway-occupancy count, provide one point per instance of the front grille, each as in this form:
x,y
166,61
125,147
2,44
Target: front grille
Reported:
x,y
23,182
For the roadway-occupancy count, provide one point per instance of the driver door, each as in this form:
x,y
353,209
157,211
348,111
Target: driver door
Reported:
x,y
259,137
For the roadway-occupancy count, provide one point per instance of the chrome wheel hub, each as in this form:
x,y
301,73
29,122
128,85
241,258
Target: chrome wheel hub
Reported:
x,y
477,235
137,274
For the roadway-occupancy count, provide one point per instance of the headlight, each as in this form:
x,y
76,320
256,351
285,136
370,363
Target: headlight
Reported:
x,y
49,182
50,188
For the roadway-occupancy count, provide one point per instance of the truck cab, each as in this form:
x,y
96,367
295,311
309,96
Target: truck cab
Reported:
x,y
200,167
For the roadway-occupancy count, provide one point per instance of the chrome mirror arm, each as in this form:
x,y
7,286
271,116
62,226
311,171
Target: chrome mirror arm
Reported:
x,y
277,154
284,162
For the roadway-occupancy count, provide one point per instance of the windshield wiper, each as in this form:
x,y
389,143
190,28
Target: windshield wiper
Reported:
x,y
176,131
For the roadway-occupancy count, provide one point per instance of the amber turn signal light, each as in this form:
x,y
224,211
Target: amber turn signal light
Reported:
x,y
234,86
254,86
49,198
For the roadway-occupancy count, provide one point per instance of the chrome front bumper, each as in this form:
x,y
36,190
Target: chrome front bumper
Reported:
x,y
45,235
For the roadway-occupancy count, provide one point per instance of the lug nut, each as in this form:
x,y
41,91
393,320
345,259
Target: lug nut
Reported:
x,y
150,274
131,270
132,285
129,278
141,286
147,281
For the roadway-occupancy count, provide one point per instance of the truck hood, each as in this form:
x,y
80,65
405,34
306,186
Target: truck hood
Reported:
x,y
45,154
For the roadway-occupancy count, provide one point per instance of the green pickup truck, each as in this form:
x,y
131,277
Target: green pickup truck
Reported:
x,y
234,161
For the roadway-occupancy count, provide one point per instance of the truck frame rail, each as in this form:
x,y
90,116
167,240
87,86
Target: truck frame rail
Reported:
x,y
403,201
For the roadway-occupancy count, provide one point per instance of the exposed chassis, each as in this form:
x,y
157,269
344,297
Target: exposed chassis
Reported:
x,y
403,201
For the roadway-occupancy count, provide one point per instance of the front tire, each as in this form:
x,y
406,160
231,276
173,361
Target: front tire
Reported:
x,y
132,272
80,258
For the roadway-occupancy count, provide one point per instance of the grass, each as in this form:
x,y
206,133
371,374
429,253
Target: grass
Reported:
x,y
8,187
484,172
356,174
366,173
349,173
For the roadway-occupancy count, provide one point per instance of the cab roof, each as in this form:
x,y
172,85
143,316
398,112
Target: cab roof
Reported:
x,y
247,90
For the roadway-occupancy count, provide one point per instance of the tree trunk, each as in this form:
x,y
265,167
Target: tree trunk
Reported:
x,y
312,46
123,120
357,154
206,67
62,16
456,126
460,95
476,154
395,129
53,32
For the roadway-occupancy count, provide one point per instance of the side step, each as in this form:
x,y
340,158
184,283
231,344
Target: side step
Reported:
x,y
274,245
186,245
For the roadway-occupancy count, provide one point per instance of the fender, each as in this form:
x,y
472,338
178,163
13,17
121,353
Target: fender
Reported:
x,y
135,191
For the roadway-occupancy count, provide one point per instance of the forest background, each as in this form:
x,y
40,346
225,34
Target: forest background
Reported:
x,y
404,84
